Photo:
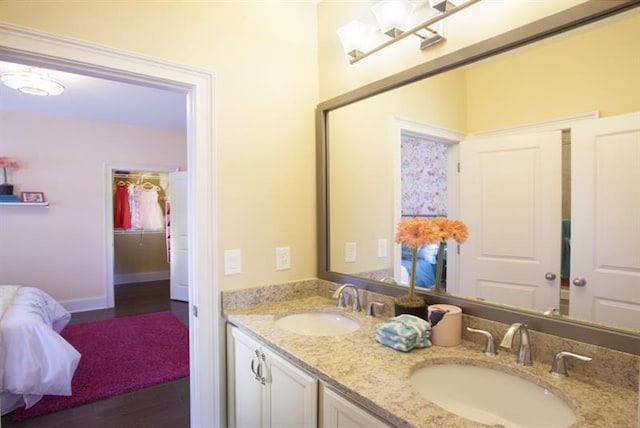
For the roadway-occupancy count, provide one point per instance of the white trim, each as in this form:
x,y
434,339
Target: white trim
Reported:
x,y
23,45
547,125
84,304
108,206
446,135
129,278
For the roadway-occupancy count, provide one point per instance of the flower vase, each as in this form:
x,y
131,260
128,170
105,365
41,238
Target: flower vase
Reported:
x,y
439,267
410,303
6,189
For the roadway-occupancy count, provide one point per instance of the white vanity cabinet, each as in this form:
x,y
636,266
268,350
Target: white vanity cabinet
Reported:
x,y
264,390
339,412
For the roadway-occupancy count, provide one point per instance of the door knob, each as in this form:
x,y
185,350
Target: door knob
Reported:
x,y
580,282
550,276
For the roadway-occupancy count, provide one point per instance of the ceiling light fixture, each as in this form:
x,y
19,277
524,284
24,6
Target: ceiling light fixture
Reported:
x,y
32,81
393,17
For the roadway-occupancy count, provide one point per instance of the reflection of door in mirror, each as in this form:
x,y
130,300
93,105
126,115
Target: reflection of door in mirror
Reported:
x,y
605,258
511,199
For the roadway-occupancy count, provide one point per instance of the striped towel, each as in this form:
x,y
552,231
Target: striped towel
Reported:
x,y
404,333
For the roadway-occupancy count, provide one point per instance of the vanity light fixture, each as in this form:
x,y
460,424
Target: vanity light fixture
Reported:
x,y
441,5
354,37
393,17
32,81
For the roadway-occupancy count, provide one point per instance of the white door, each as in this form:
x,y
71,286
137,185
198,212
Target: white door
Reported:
x,y
178,237
510,199
605,211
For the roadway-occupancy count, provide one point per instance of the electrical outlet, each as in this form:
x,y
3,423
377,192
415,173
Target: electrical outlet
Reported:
x,y
283,258
232,262
349,252
382,248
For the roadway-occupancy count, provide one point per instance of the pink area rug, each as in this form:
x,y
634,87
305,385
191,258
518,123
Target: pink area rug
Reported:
x,y
120,355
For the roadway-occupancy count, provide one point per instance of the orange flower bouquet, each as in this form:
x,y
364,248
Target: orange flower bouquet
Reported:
x,y
417,232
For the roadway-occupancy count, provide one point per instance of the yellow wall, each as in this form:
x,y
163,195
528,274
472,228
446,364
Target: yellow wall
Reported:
x,y
585,71
263,55
361,159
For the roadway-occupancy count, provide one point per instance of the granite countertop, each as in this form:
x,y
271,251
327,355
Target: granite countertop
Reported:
x,y
376,377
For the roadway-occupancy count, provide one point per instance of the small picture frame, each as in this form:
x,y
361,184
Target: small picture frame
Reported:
x,y
32,197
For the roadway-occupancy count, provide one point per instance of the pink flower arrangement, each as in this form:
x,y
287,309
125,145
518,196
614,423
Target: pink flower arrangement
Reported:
x,y
417,232
7,163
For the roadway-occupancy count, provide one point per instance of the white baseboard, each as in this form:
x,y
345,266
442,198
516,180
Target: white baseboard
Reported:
x,y
85,304
128,278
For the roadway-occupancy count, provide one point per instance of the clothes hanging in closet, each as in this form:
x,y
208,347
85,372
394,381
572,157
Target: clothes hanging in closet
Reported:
x,y
122,212
150,211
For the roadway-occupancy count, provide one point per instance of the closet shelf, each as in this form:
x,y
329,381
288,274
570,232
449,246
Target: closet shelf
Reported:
x,y
25,204
136,231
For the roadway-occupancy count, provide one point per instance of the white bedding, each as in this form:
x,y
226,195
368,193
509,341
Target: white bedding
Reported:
x,y
35,359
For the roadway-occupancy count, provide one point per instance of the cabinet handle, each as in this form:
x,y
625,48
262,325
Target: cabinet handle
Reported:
x,y
256,368
550,276
261,378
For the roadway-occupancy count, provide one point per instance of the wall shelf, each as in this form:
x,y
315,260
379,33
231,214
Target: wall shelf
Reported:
x,y
25,204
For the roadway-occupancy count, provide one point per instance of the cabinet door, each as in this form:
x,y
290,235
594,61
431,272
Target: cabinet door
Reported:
x,y
291,395
244,391
338,412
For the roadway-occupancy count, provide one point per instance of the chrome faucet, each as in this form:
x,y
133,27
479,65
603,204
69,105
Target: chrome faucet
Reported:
x,y
524,352
559,366
490,347
339,294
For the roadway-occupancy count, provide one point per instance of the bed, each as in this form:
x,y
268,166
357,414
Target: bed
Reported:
x,y
425,266
35,359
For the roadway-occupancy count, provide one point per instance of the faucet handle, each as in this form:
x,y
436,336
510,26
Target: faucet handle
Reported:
x,y
371,309
490,347
559,365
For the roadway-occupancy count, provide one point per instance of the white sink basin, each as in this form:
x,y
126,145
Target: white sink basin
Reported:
x,y
326,323
491,396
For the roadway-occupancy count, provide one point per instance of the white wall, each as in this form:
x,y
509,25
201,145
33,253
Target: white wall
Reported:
x,y
62,248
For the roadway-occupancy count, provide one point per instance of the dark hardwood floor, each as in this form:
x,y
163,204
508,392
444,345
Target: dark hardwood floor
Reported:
x,y
161,406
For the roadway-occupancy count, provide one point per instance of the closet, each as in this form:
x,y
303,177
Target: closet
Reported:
x,y
141,247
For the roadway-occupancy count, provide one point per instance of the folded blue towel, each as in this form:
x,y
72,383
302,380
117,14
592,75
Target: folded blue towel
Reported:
x,y
401,343
404,333
398,346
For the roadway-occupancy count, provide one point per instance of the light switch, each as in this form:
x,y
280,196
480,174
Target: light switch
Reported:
x,y
283,258
232,262
382,248
349,252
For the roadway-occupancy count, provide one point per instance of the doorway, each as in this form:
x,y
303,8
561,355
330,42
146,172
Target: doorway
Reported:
x,y
206,343
407,129
138,235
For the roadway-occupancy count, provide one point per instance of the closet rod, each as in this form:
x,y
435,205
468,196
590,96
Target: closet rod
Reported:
x,y
149,175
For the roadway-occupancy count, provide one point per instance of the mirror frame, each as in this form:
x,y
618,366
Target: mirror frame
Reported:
x,y
574,17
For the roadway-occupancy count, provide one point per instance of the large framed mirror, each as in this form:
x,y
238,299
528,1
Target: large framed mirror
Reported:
x,y
531,80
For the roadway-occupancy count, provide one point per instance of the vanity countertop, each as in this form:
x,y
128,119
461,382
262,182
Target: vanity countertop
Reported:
x,y
377,377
